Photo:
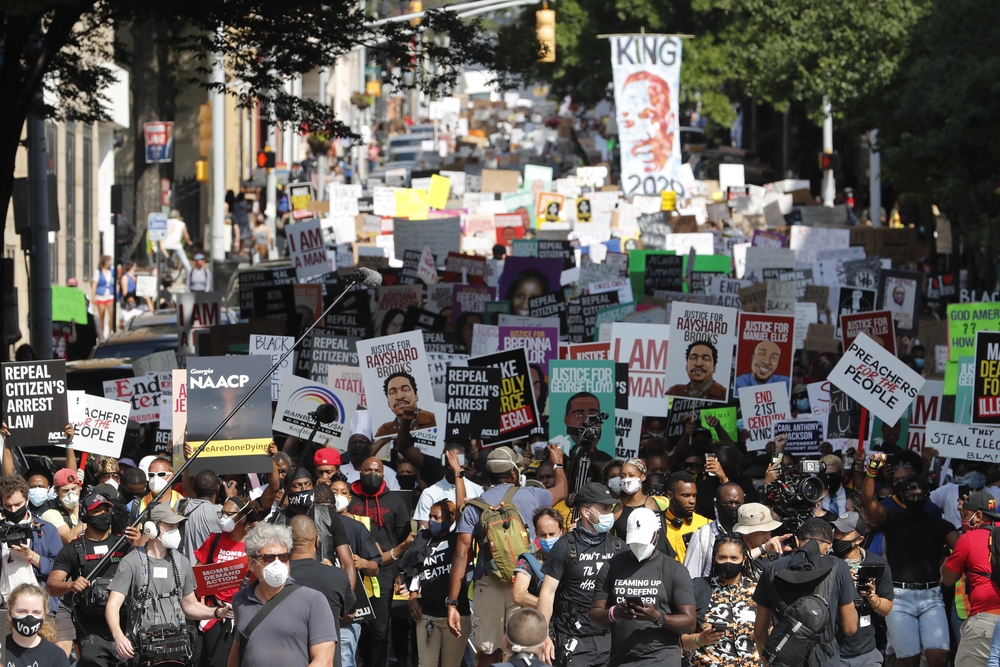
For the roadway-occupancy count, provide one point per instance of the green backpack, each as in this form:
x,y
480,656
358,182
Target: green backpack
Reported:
x,y
502,529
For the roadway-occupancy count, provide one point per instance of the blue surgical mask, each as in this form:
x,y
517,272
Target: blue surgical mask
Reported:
x,y
546,543
604,522
38,496
974,480
435,527
802,404
919,363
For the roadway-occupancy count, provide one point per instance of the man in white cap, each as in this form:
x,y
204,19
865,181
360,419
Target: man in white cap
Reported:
x,y
645,597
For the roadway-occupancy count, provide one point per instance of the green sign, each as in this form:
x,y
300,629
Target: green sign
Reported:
x,y
964,320
68,304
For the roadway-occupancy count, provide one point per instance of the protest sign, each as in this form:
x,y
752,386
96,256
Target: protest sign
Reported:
x,y
158,362
820,338
578,390
767,239
457,265
804,436
941,287
215,578
780,298
442,235
964,442
196,312
808,241
34,402
298,412
727,291
663,272
561,250
852,300
762,407
844,416
964,320
644,348
876,379
393,300
320,349
753,299
145,286
586,351
628,429
877,325
927,407
899,293
473,399
143,394
273,347
518,411
551,305
765,352
725,418
215,386
178,406
307,248
423,320
702,350
469,299
69,304
541,344
805,316
166,416
863,272
248,280
524,278
394,370
101,431
986,383
442,341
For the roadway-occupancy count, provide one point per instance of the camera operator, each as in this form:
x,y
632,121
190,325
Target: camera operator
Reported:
x,y
915,546
71,578
29,544
158,582
876,594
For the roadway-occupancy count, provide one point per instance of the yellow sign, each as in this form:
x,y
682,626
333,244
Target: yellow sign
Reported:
x,y
583,209
668,200
411,204
440,187
373,88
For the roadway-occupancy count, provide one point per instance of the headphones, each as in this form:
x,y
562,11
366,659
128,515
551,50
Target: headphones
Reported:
x,y
150,529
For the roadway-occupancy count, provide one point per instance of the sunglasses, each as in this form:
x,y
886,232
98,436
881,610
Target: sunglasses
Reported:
x,y
267,559
107,475
159,474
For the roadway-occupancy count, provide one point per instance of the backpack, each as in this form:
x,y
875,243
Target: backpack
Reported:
x,y
93,599
502,530
802,625
994,573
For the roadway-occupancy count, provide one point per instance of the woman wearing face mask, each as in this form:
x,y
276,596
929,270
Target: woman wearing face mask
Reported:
x,y
730,587
427,568
633,476
612,478
528,570
237,516
26,607
65,512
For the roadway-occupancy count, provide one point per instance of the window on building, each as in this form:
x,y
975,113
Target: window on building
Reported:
x,y
71,200
88,222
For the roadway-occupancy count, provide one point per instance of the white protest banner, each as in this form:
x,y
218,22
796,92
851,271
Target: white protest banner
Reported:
x,y
299,409
927,407
166,391
964,441
701,243
344,199
179,408
808,241
702,351
762,407
158,362
101,431
145,286
308,251
274,346
805,314
485,339
646,70
876,379
196,311
142,393
644,348
804,436
628,428
74,406
426,270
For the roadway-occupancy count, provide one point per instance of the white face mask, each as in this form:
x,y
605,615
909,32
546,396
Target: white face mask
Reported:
x,y
157,484
340,503
631,484
228,524
276,573
70,500
113,483
615,484
642,551
171,539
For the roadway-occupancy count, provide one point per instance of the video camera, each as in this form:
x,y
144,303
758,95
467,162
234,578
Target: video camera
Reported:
x,y
591,424
17,534
796,491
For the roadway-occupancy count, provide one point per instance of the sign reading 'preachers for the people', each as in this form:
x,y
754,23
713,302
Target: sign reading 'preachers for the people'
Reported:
x,y
876,379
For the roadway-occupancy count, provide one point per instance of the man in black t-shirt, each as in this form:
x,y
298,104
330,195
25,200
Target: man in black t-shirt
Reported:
x,y
800,574
645,597
874,601
571,570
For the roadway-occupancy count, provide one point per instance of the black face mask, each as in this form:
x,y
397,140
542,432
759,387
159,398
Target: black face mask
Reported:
x,y
728,570
18,516
678,511
728,516
301,498
125,496
371,482
27,626
915,506
449,475
101,522
833,482
841,548
408,482
358,454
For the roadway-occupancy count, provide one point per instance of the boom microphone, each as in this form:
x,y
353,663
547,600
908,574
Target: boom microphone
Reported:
x,y
366,277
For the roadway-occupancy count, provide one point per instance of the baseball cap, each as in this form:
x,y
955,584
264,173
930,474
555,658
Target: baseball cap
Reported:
x,y
72,282
458,433
199,256
754,518
108,491
501,459
327,456
849,521
643,524
95,500
593,492
982,501
64,477
165,513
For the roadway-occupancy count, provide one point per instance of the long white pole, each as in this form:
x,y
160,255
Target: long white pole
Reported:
x,y
829,186
218,178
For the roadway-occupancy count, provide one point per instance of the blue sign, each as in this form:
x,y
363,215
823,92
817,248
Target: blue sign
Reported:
x,y
157,226
159,141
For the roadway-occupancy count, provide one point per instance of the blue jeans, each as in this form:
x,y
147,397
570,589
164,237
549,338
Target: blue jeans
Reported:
x,y
917,621
349,633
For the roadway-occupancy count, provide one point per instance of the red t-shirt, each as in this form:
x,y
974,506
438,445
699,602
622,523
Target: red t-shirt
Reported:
x,y
972,556
227,550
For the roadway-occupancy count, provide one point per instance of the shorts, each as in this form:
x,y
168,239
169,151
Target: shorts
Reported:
x,y
104,299
917,622
65,628
873,658
491,604
977,636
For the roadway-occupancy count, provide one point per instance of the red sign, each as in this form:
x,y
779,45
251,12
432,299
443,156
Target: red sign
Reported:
x,y
159,141
878,324
212,579
590,351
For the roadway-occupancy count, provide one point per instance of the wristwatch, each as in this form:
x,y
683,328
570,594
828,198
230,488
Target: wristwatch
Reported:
x,y
450,602
460,473
660,620
557,466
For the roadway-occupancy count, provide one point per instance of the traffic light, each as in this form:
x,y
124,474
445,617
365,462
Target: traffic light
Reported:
x,y
204,129
545,32
201,171
266,159
416,6
829,161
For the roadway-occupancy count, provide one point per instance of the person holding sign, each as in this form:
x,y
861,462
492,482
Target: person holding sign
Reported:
x,y
702,356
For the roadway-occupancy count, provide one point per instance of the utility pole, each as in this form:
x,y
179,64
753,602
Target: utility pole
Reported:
x,y
829,186
271,210
217,98
874,180
40,297
321,159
